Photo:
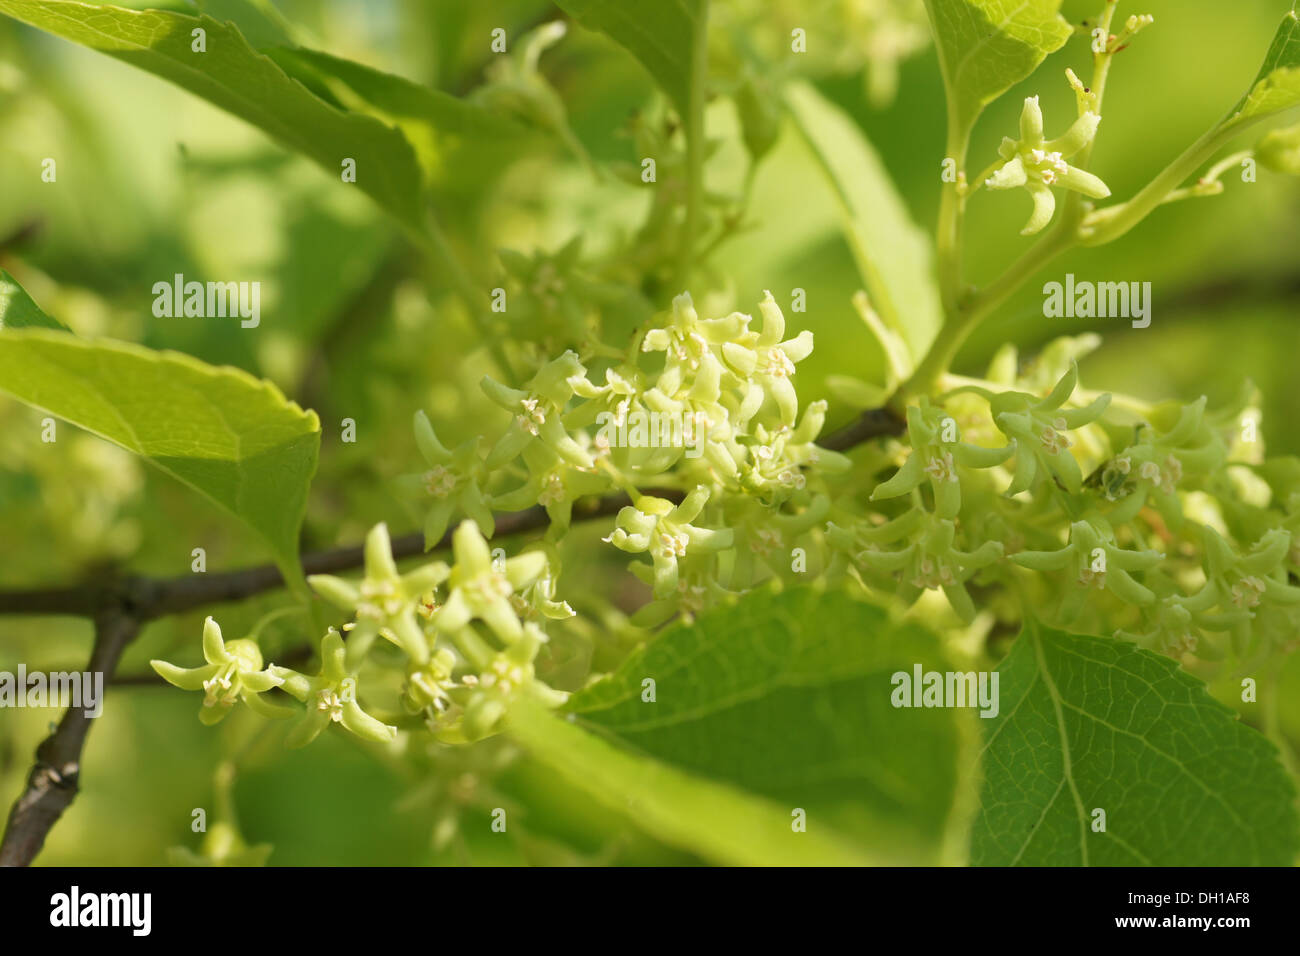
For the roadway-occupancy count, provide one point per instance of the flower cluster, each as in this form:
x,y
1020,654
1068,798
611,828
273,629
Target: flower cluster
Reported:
x,y
871,37
703,410
469,634
1157,519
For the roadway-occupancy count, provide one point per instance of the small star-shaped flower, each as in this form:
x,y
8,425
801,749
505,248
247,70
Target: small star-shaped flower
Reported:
x,y
331,697
233,672
385,601
666,532
1037,165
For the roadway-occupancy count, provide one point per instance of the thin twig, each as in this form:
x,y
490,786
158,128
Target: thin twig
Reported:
x,y
149,598
54,780
873,423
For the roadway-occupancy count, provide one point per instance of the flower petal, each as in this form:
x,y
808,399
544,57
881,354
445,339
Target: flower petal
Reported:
x,y
1044,208
186,678
379,553
1076,137
1031,123
342,594
214,648
473,556
1083,182
426,440
363,725
1009,175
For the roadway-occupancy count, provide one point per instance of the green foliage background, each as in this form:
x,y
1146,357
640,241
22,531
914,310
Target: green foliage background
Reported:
x,y
152,181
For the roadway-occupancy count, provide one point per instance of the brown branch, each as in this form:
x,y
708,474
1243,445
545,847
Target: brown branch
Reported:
x,y
873,423
72,602
53,781
148,598
153,598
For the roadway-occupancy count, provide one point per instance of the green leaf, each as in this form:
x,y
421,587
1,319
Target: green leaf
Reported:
x,y
452,138
894,256
234,77
663,36
718,822
1091,722
1277,87
18,311
788,697
228,435
988,46
258,20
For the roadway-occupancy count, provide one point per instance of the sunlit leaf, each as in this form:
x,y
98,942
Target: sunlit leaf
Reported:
x,y
233,438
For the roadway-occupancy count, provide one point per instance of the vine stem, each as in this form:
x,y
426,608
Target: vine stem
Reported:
x,y
695,145
963,314
952,215
1211,177
1107,225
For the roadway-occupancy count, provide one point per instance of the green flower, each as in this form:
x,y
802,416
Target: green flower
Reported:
x,y
552,483
517,87
551,300
453,481
538,410
385,601
509,674
770,362
1238,586
481,591
664,530
331,697
233,672
1039,426
687,338
929,559
1038,165
1097,562
1170,631
1151,468
772,464
429,686
935,460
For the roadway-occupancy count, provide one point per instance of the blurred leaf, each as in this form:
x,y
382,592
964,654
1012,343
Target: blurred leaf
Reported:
x,y
241,81
893,255
18,311
452,137
258,20
721,824
789,697
988,46
227,435
1091,722
1277,87
662,35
